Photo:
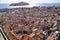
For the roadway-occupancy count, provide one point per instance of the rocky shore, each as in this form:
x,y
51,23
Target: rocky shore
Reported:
x,y
37,23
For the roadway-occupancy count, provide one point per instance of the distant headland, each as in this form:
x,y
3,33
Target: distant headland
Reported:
x,y
19,4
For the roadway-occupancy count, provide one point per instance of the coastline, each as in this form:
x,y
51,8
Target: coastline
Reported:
x,y
20,7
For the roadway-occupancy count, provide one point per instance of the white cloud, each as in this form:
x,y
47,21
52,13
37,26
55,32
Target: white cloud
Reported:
x,y
30,1
50,1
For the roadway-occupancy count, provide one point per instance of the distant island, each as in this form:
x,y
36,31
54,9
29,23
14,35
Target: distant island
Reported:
x,y
19,4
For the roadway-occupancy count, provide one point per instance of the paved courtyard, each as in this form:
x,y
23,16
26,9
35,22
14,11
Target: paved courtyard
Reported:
x,y
2,35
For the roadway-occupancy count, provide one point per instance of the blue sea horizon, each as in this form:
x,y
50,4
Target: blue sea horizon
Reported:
x,y
2,6
48,4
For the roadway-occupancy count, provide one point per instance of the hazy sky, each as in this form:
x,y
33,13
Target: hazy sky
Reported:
x,y
30,1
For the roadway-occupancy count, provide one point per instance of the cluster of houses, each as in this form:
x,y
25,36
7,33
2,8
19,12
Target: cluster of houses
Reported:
x,y
37,23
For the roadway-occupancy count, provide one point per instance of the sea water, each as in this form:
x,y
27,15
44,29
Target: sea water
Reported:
x,y
2,6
